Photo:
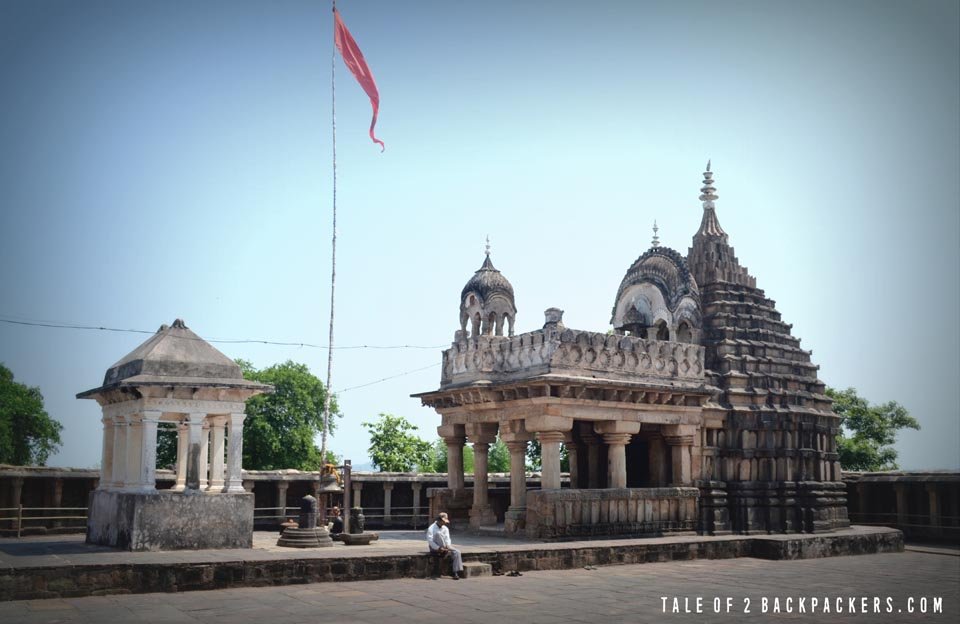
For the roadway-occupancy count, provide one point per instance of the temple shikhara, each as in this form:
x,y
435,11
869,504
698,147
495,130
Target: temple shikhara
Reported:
x,y
698,411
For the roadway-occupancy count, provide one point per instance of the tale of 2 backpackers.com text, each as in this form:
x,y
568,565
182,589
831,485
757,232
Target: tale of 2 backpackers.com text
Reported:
x,y
814,605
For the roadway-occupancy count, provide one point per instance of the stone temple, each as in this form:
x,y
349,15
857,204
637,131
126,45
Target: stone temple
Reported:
x,y
697,411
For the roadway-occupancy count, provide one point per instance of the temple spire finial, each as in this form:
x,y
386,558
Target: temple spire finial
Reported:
x,y
709,225
656,239
488,246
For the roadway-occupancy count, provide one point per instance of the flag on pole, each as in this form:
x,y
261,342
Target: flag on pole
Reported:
x,y
353,59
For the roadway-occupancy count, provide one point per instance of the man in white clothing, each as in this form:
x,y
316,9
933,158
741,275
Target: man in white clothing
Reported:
x,y
438,539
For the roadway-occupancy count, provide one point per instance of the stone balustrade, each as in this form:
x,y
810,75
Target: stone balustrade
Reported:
x,y
578,514
569,352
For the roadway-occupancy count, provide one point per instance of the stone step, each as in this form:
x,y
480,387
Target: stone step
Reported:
x,y
473,569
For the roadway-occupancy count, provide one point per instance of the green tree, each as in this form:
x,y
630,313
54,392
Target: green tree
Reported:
x,y
868,431
393,446
534,452
27,433
437,462
280,428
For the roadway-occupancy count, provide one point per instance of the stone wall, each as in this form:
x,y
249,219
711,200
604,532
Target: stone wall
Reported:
x,y
579,514
924,505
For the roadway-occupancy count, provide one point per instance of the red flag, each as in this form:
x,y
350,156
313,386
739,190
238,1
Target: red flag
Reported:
x,y
353,58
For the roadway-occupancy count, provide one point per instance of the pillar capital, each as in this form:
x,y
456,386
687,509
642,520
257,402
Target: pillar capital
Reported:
x,y
546,437
517,446
481,433
543,422
679,440
617,439
388,486
450,430
616,427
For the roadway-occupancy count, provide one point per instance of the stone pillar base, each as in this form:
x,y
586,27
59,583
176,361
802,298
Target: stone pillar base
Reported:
x,y
482,516
168,520
515,520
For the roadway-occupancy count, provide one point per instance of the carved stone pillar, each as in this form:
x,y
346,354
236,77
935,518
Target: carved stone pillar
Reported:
x,y
593,459
387,503
550,459
282,500
357,487
902,504
617,458
680,446
183,448
217,429
205,455
148,451
933,496
657,462
417,488
16,492
106,454
482,436
454,437
134,452
194,437
235,453
515,520
119,473
570,443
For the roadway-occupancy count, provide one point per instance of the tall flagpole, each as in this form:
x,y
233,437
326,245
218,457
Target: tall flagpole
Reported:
x,y
333,260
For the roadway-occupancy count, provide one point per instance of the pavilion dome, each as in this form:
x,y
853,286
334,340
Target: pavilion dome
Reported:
x,y
658,292
174,356
487,301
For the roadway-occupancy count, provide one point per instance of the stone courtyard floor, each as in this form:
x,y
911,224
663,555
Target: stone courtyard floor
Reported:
x,y
610,594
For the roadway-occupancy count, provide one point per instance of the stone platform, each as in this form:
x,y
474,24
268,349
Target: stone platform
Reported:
x,y
65,566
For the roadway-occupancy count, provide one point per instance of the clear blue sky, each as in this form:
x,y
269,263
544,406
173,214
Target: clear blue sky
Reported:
x,y
172,159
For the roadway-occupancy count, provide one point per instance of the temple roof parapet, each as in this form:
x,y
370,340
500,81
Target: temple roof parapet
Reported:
x,y
569,352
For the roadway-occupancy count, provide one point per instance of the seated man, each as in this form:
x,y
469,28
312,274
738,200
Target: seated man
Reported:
x,y
438,539
337,521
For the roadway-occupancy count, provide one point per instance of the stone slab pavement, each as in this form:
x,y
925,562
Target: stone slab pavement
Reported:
x,y
607,595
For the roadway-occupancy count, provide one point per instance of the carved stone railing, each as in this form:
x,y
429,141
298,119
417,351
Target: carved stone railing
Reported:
x,y
569,352
577,514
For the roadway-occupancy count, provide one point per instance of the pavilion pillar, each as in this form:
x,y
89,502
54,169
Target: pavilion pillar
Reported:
x,y
119,473
16,492
658,462
148,451
454,437
194,438
593,459
234,482
903,502
550,459
205,455
106,454
570,443
617,434
387,503
680,454
134,455
933,496
481,435
417,487
182,451
617,459
515,519
357,487
217,429
282,500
